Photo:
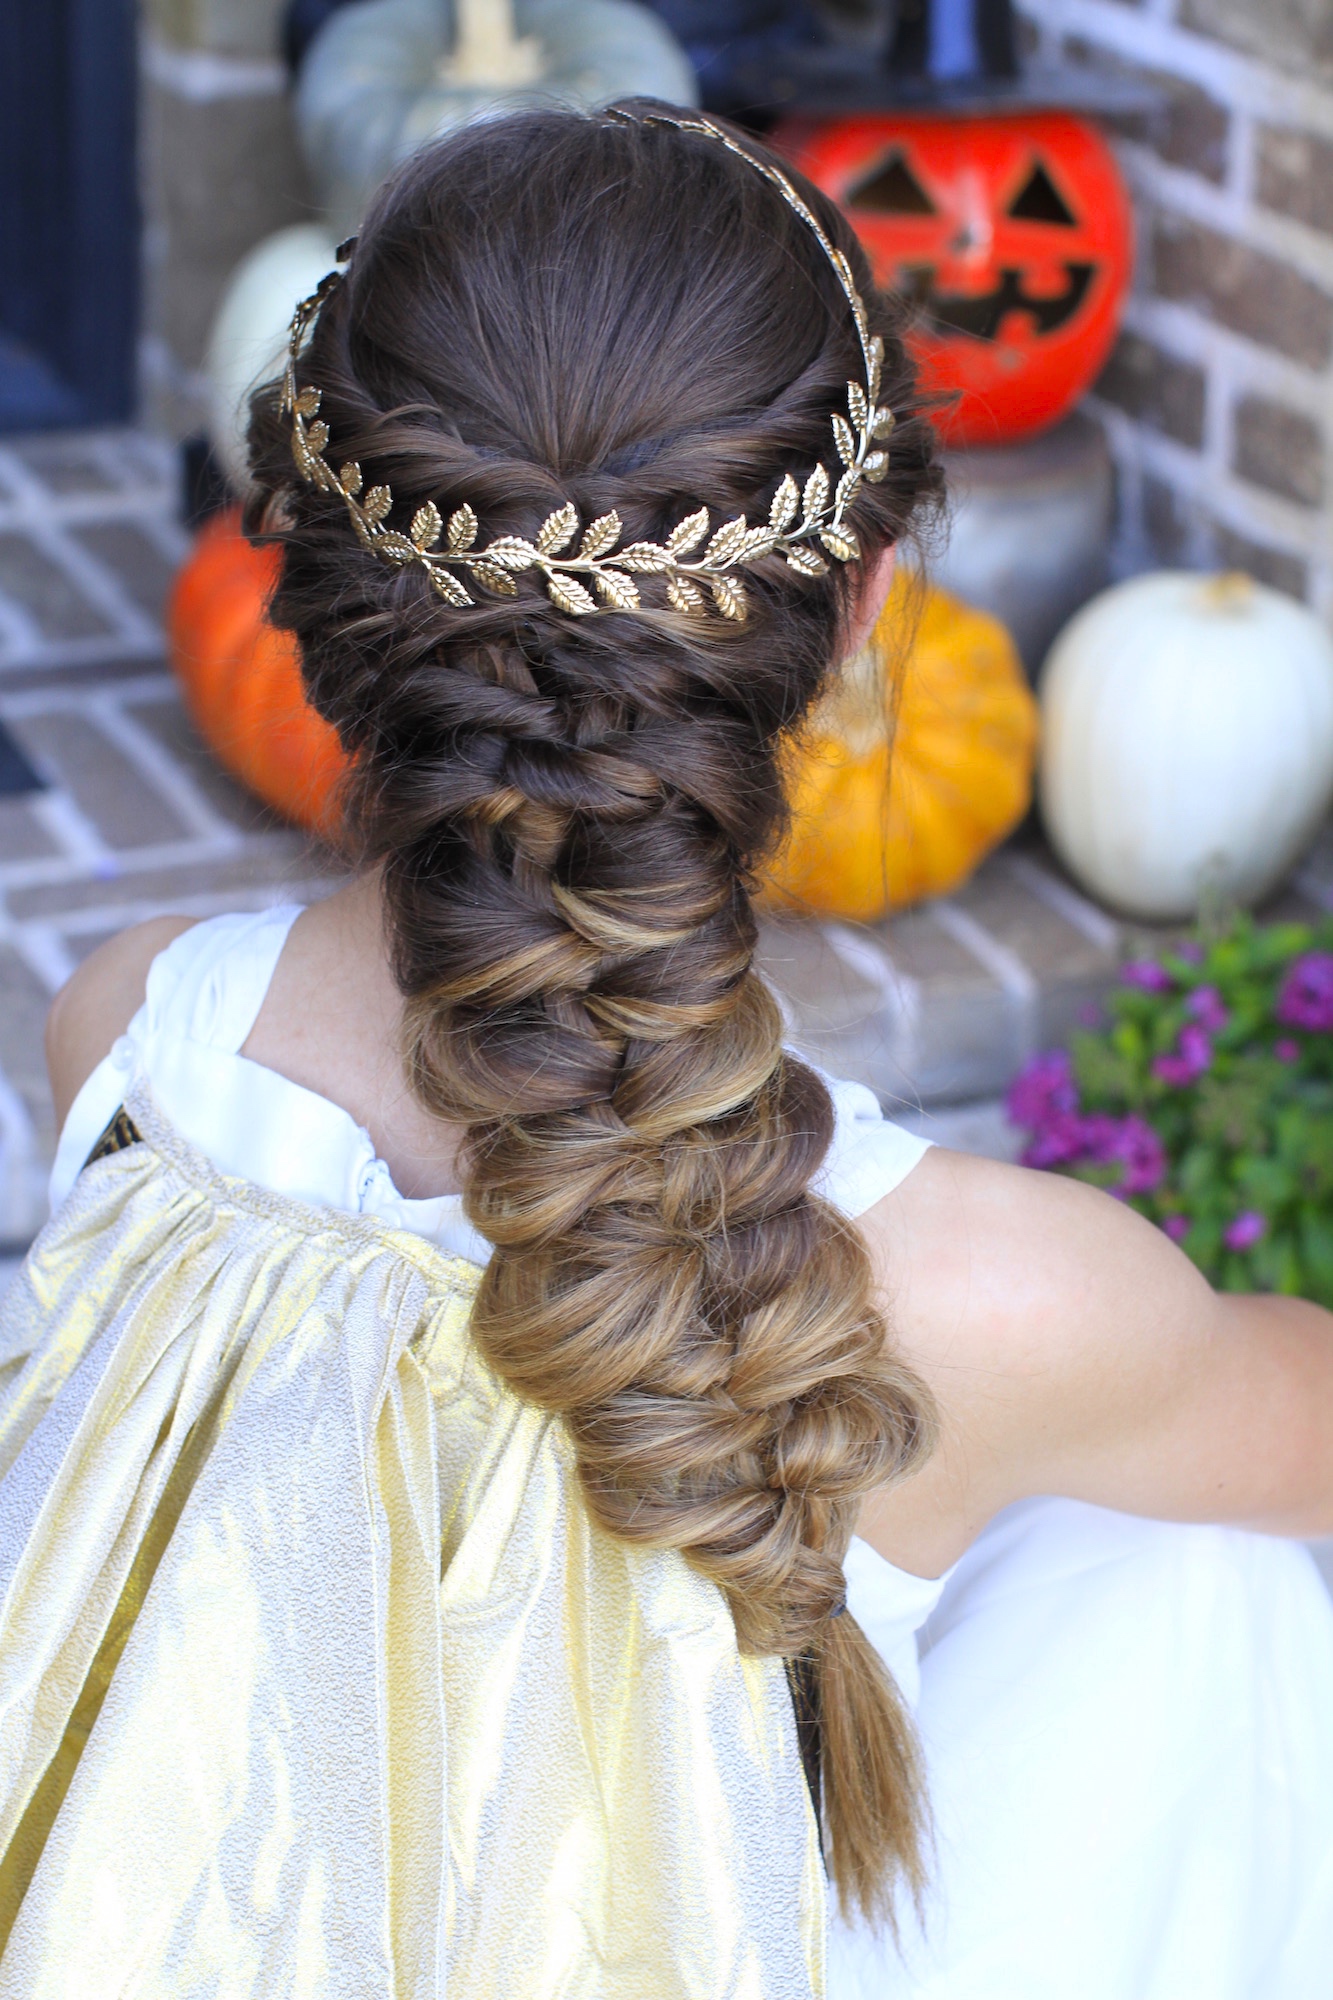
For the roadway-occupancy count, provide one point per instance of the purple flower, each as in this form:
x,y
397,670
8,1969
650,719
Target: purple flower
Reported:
x,y
1306,999
1246,1230
1177,1227
1042,1092
1147,975
1286,1050
1190,951
1058,1140
1194,1055
1131,1143
1205,1003
1144,1156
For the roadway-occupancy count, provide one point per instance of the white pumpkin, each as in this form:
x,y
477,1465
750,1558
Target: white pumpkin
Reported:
x,y
1187,741
249,336
383,77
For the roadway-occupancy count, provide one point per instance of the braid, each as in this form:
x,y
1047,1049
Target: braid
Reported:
x,y
567,813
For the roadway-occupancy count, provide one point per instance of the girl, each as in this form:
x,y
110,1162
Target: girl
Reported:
x,y
495,1448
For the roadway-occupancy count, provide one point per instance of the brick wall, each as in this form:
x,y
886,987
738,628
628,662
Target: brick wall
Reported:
x,y
1219,399
220,169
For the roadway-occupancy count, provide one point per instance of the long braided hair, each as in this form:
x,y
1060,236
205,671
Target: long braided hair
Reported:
x,y
568,811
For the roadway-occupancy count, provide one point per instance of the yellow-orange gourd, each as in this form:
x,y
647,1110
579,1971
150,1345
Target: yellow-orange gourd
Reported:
x,y
913,768
886,807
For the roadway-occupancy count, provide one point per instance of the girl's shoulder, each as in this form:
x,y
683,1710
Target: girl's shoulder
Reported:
x,y
205,978
97,1003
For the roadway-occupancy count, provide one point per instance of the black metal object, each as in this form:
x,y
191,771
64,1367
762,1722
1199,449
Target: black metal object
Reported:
x,y
204,488
17,775
757,60
761,59
69,225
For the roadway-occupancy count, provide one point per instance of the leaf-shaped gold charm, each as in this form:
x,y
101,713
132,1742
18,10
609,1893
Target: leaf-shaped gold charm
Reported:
x,y
621,592
557,531
684,595
875,467
462,530
842,543
842,437
876,363
307,403
726,543
396,547
377,504
687,534
785,503
729,596
426,526
857,404
511,552
349,477
815,498
808,562
644,556
883,424
847,489
317,435
448,587
758,542
599,536
493,578
570,596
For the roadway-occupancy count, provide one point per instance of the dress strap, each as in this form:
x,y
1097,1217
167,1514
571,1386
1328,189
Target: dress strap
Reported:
x,y
209,984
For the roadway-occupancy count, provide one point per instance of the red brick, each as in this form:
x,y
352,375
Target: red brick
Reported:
x,y
1242,288
1284,571
1191,129
1295,175
1161,391
1280,449
1296,34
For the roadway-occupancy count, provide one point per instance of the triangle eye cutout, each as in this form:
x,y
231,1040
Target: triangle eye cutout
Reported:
x,y
892,189
1039,200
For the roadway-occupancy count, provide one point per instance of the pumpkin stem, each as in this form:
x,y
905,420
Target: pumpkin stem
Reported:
x,y
1230,590
487,54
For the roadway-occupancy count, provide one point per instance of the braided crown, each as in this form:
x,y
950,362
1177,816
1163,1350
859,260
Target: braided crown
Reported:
x,y
807,522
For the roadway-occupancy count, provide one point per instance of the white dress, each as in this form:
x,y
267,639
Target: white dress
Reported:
x,y
1128,1726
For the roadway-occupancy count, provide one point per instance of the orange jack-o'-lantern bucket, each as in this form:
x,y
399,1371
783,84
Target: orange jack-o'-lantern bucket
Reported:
x,y
1011,233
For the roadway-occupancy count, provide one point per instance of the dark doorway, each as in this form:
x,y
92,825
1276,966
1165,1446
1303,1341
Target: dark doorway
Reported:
x,y
69,238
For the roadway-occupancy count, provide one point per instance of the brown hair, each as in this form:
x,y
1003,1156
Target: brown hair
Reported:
x,y
554,308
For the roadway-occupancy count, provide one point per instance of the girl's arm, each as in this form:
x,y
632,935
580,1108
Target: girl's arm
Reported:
x,y
1073,1350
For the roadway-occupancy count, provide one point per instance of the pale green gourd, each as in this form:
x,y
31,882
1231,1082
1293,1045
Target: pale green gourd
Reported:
x,y
384,77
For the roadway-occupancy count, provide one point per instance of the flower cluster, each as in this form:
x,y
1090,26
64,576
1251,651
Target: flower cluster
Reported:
x,y
1206,1102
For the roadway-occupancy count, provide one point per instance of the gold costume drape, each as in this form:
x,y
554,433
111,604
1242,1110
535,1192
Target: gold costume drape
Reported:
x,y
316,1680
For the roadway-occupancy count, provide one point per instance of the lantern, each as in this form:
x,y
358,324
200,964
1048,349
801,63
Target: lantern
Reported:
x,y
1010,233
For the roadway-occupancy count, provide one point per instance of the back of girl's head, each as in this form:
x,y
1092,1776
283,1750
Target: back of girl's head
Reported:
x,y
621,315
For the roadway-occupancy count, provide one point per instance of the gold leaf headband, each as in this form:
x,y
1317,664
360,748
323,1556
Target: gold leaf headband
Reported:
x,y
803,520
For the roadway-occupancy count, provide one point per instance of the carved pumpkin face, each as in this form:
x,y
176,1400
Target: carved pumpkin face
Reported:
x,y
1011,233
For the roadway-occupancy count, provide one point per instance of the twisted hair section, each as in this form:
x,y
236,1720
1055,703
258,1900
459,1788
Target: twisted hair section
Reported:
x,y
568,813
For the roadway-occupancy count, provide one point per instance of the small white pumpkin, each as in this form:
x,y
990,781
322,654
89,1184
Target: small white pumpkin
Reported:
x,y
383,77
1187,741
249,336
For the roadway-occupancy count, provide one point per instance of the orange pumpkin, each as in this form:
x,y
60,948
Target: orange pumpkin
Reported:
x,y
874,826
242,678
915,766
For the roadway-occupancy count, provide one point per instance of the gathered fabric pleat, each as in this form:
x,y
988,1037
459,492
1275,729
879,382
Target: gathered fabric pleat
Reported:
x,y
316,1678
